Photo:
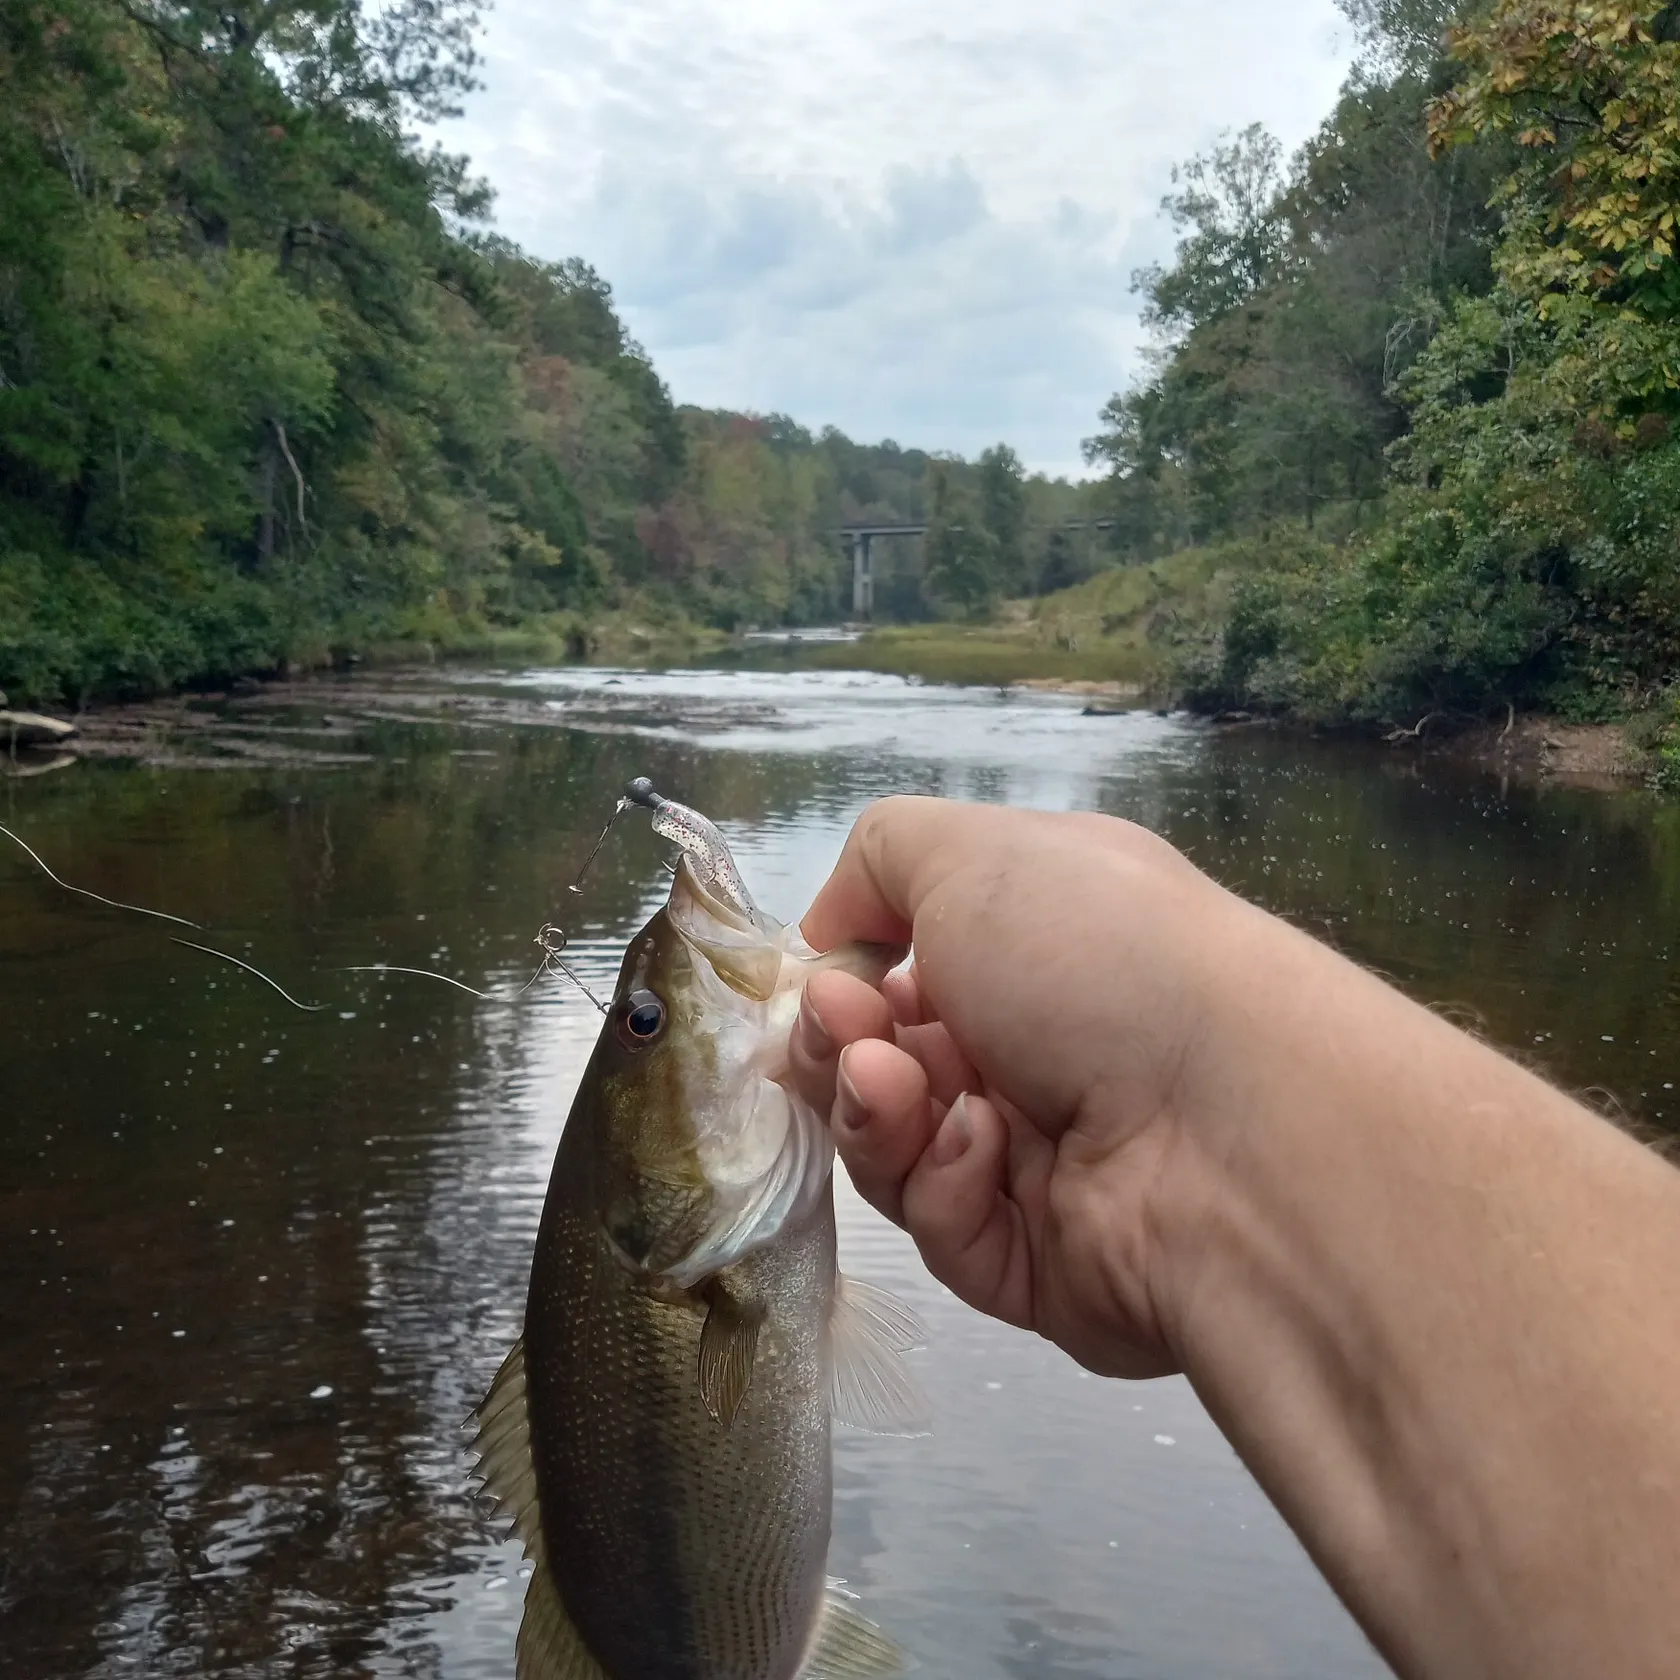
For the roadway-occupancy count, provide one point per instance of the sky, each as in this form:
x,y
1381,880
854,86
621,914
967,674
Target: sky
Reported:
x,y
914,219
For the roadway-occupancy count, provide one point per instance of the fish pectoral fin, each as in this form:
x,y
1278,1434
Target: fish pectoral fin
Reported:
x,y
503,1445
867,961
870,1384
549,1646
728,1344
848,1647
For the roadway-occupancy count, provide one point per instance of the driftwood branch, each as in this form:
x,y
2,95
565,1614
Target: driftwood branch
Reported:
x,y
1415,733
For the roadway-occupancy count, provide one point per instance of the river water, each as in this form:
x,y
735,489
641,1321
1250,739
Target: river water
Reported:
x,y
256,1265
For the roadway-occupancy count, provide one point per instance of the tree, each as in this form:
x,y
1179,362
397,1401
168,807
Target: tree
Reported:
x,y
1003,513
1231,241
959,558
1286,320
1525,553
1591,91
1062,567
1401,36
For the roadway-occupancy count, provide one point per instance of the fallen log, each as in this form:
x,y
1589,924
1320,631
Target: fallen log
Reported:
x,y
33,729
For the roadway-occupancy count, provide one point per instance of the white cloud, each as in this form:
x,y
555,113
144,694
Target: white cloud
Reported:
x,y
913,219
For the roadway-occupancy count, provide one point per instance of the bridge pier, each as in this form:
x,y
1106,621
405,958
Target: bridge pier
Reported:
x,y
863,576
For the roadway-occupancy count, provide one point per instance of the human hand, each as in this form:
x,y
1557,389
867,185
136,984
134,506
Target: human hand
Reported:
x,y
1018,1099
1116,1105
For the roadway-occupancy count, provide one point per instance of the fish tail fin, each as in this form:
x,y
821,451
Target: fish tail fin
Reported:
x,y
848,1647
549,1646
870,1384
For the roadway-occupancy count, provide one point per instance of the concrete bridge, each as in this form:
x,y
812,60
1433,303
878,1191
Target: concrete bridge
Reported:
x,y
858,539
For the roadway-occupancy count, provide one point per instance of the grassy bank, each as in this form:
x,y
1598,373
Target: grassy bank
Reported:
x,y
1123,626
992,654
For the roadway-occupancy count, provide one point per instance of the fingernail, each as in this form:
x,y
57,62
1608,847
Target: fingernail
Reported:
x,y
850,1115
955,1134
816,1040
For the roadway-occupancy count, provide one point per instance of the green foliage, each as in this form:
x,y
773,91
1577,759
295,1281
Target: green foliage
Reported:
x,y
268,394
1666,775
1003,515
962,564
1491,404
1232,242
1591,91
1293,304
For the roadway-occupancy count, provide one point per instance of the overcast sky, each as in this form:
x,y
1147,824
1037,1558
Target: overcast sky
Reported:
x,y
909,218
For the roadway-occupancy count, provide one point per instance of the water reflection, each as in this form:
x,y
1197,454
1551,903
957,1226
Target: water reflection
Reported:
x,y
257,1265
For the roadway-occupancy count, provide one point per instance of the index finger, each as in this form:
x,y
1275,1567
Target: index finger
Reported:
x,y
890,861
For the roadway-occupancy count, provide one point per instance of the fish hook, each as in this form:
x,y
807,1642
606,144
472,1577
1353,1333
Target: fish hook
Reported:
x,y
640,792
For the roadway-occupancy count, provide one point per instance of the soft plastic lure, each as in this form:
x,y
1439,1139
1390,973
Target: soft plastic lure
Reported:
x,y
699,841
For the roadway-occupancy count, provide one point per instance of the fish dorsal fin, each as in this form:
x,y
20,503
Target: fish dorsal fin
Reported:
x,y
728,1344
848,1647
503,1445
549,1647
870,1384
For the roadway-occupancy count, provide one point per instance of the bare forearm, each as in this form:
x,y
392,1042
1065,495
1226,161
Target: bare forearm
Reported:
x,y
1434,1305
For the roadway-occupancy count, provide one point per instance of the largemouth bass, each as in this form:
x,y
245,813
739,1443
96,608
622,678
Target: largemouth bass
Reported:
x,y
660,1433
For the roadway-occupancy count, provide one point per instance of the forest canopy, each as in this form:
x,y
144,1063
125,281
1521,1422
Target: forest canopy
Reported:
x,y
272,391
1424,376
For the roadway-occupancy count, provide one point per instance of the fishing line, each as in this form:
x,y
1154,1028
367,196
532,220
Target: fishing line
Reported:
x,y
98,898
423,973
551,938
210,951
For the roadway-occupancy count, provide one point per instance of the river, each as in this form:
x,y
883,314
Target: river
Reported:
x,y
256,1265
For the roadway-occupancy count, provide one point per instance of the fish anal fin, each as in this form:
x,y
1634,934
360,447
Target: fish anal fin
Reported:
x,y
549,1646
870,1383
848,1647
728,1345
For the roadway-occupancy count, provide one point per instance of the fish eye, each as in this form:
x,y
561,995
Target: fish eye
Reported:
x,y
641,1019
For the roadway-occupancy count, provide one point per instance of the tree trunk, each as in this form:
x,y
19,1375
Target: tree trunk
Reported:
x,y
268,466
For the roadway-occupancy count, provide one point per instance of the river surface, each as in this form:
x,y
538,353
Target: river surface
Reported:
x,y
256,1265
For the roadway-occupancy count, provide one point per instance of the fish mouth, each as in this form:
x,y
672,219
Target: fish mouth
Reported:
x,y
741,945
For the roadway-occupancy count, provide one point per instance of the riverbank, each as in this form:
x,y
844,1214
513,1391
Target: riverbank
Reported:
x,y
1163,635
1591,754
1128,637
